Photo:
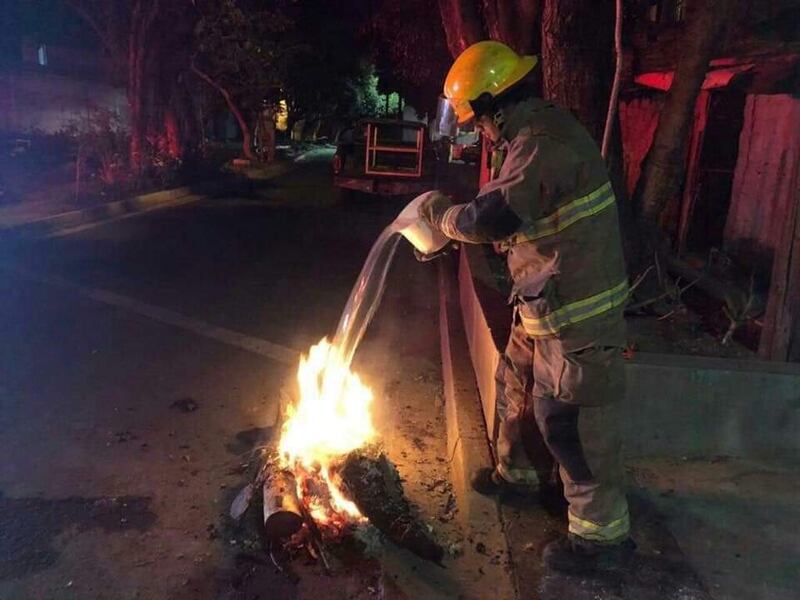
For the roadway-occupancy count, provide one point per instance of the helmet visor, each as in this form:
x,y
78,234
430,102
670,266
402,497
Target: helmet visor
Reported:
x,y
445,123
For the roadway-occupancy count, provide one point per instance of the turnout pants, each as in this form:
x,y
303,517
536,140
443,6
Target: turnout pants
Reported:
x,y
558,404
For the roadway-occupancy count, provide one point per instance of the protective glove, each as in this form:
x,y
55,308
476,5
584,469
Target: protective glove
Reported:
x,y
432,209
423,258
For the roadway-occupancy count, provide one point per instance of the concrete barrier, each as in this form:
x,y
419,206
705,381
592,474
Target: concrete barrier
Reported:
x,y
467,442
675,405
696,406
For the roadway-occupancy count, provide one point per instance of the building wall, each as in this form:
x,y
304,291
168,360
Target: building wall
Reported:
x,y
762,194
769,144
41,101
45,88
638,117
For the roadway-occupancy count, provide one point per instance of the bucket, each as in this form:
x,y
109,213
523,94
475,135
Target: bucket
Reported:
x,y
416,230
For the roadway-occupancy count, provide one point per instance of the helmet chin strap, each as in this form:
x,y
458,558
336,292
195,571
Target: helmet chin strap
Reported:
x,y
499,119
486,104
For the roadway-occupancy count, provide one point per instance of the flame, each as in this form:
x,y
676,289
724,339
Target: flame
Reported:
x,y
331,418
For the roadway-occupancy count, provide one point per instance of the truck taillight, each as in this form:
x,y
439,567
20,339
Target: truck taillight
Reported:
x,y
337,163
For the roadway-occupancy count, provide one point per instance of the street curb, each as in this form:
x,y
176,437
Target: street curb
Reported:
x,y
112,210
467,441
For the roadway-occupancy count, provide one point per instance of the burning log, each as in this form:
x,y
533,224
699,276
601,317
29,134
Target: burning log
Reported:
x,y
374,486
329,477
283,514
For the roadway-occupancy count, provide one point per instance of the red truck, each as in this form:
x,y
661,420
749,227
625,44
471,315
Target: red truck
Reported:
x,y
385,157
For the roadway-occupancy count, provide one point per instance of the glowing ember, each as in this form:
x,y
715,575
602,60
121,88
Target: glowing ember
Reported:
x,y
330,419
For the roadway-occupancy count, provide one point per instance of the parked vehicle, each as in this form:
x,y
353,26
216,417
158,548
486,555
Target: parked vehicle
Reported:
x,y
385,157
466,148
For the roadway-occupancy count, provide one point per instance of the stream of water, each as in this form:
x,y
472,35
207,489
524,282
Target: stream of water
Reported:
x,y
367,293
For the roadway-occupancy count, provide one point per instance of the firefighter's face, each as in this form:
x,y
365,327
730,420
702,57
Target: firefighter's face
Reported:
x,y
487,127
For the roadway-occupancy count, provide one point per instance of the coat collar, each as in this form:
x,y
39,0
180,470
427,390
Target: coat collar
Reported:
x,y
519,115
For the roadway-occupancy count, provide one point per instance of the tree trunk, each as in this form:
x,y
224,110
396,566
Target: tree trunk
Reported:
x,y
135,103
663,170
462,24
514,23
143,15
188,126
172,132
577,58
611,113
126,38
247,137
137,131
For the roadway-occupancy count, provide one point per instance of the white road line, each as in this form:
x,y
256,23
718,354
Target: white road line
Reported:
x,y
271,350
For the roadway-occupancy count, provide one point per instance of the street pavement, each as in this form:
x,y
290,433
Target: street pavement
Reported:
x,y
141,366
141,362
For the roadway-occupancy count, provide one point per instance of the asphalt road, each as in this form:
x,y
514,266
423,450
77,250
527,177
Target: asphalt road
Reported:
x,y
141,360
140,367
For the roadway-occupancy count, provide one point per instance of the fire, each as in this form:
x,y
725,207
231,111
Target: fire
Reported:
x,y
330,419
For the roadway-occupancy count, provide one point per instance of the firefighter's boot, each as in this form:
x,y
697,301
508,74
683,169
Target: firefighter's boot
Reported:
x,y
489,481
575,555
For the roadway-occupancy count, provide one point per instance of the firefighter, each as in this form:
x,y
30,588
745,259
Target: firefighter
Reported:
x,y
552,210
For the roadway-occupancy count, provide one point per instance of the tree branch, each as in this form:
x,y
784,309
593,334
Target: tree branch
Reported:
x,y
612,102
246,144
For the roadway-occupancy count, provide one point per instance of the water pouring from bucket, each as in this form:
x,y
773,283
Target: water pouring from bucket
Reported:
x,y
332,415
426,240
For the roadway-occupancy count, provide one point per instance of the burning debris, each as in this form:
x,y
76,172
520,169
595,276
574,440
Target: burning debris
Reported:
x,y
326,479
374,484
283,514
302,516
330,418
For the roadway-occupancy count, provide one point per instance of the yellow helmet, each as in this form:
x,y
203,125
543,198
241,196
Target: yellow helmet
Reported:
x,y
486,67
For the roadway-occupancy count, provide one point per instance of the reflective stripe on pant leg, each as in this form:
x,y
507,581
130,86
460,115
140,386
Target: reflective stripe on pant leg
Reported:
x,y
610,532
598,509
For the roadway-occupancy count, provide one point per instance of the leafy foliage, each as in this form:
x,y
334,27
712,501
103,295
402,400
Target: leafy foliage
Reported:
x,y
329,74
100,143
302,52
410,49
241,46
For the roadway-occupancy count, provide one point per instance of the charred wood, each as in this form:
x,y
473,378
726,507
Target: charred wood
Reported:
x,y
283,514
374,485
